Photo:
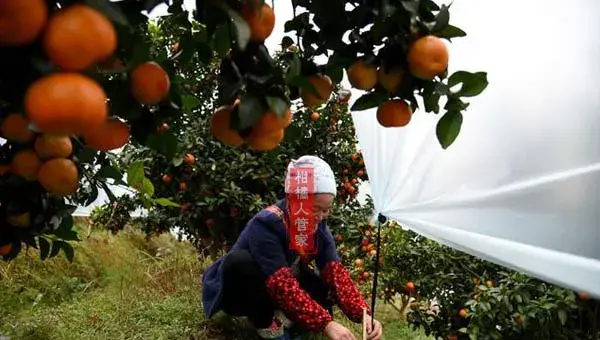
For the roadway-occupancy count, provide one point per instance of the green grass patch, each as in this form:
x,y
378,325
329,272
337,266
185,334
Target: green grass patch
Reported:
x,y
122,287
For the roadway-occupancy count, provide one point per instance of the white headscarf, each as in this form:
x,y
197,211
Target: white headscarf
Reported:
x,y
324,178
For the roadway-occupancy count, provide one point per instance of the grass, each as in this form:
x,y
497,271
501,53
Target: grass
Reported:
x,y
121,287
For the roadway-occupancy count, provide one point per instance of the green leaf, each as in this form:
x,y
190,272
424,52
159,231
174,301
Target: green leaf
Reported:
x,y
110,10
86,155
369,100
250,110
67,249
278,105
135,174
55,249
448,128
472,83
109,171
442,19
431,99
336,73
165,202
222,41
177,160
241,27
450,32
286,42
44,248
165,143
190,102
562,316
147,187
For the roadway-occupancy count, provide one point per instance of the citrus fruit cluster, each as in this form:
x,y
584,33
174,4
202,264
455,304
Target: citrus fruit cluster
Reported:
x,y
427,58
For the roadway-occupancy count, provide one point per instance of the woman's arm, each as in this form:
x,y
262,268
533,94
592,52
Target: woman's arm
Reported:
x,y
336,276
266,248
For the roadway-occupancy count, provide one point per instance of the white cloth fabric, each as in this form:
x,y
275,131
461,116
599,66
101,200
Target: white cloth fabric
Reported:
x,y
324,178
521,184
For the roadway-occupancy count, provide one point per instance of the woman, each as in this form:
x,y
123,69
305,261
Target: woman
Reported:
x,y
264,280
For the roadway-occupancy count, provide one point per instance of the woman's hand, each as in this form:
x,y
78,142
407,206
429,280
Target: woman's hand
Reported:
x,y
374,331
335,331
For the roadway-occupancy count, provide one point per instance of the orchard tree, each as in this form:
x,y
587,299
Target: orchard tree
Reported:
x,y
453,295
79,78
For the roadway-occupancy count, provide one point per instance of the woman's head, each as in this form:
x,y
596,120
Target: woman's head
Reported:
x,y
324,184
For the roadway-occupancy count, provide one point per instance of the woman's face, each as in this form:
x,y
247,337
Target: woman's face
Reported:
x,y
323,203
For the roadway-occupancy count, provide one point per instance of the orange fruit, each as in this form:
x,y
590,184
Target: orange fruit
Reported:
x,y
394,113
220,125
428,57
182,186
149,83
5,249
315,116
15,128
463,313
22,220
324,87
391,79
410,286
189,159
26,164
112,135
22,21
361,75
166,178
66,104
53,146
269,122
266,142
79,36
261,20
583,296
59,176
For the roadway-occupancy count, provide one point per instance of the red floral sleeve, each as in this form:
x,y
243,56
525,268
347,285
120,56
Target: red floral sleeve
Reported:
x,y
347,294
295,302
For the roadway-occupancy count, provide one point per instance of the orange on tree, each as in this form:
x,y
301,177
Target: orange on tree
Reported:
x,y
15,128
53,146
409,286
220,125
358,262
149,83
463,313
269,122
183,186
324,87
361,75
189,159
166,178
59,176
26,164
428,57
394,113
113,134
22,220
22,21
390,79
79,36
267,142
260,19
66,103
5,249
315,116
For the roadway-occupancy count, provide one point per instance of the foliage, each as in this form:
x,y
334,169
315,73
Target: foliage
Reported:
x,y
115,215
497,303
